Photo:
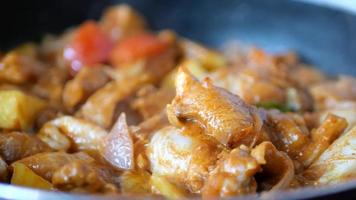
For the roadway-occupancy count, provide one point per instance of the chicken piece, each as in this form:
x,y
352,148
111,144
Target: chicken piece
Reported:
x,y
19,67
250,85
69,133
52,48
288,133
120,21
117,147
233,175
46,164
24,176
307,75
277,168
101,106
135,182
80,176
265,79
321,138
154,123
151,101
4,173
16,145
328,94
223,115
184,157
18,110
337,164
46,115
142,135
50,87
77,90
209,58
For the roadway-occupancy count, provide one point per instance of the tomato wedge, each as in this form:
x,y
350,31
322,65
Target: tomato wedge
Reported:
x,y
143,45
90,46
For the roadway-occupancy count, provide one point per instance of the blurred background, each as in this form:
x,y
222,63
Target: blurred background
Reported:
x,y
323,32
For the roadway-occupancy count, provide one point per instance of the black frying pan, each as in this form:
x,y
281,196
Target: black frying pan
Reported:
x,y
324,37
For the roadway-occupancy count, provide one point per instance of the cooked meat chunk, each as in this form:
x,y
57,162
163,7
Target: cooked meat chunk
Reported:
x,y
287,133
69,133
4,173
87,81
46,164
120,21
223,115
321,138
80,176
151,101
329,93
290,134
16,145
50,87
233,175
277,168
18,67
182,156
100,107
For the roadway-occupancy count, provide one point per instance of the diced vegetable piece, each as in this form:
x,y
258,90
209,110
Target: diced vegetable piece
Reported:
x,y
194,67
18,110
337,164
90,46
135,182
117,147
136,47
165,188
210,59
274,105
24,176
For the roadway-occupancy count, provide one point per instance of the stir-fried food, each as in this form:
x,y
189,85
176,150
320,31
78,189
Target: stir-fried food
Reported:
x,y
112,107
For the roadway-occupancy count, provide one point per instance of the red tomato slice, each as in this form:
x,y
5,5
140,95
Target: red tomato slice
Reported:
x,y
138,46
90,46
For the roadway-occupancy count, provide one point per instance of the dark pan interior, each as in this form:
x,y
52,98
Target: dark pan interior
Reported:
x,y
322,36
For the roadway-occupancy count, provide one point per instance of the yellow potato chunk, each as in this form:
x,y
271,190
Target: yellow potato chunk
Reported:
x,y
24,176
163,187
135,182
193,66
18,110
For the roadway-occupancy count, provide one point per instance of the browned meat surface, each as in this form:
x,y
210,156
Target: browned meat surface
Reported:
x,y
46,164
233,175
184,156
16,145
224,116
4,173
80,176
77,90
69,133
151,101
